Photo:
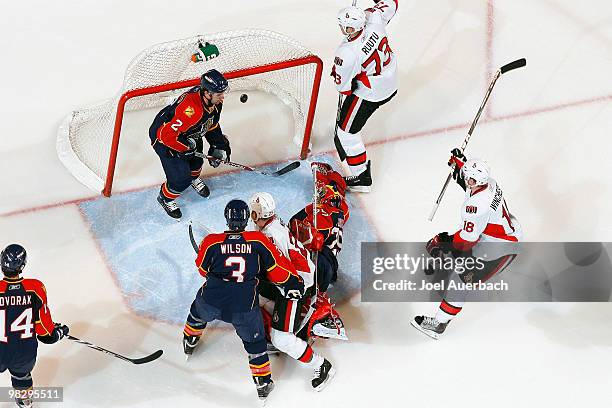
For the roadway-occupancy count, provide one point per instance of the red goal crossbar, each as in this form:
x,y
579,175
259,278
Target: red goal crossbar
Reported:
x,y
312,59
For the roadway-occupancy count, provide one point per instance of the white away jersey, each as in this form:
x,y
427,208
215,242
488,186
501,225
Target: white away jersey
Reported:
x,y
485,217
367,60
280,236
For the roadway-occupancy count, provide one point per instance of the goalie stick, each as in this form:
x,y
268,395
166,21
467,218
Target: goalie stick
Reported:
x,y
142,360
519,63
283,170
315,256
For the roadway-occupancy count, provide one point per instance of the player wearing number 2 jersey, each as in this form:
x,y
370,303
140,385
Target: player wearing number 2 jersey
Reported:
x,y
233,262
365,72
489,232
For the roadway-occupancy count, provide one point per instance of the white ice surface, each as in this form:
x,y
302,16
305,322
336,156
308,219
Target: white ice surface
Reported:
x,y
546,134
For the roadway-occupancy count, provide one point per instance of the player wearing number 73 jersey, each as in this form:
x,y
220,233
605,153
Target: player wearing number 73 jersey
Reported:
x,y
24,316
365,71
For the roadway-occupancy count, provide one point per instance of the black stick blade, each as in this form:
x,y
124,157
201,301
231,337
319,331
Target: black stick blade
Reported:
x,y
287,168
148,358
519,63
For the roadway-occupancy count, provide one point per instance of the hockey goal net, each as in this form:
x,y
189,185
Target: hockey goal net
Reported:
x,y
88,139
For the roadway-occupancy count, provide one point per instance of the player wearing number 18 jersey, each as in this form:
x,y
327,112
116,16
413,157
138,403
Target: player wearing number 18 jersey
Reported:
x,y
233,262
365,71
488,231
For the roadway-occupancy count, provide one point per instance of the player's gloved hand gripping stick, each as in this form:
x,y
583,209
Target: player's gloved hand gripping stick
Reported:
x,y
291,166
508,67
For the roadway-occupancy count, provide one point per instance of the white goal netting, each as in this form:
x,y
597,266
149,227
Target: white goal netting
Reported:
x,y
252,59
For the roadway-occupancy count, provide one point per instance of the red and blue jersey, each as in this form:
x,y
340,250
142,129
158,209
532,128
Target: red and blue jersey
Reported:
x,y
24,313
234,262
188,116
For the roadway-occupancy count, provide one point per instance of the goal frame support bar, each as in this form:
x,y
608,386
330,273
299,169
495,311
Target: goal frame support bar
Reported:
x,y
312,59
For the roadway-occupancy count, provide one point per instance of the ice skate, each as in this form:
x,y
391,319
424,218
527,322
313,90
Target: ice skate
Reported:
x,y
429,325
322,375
170,207
331,327
200,187
360,183
264,388
189,344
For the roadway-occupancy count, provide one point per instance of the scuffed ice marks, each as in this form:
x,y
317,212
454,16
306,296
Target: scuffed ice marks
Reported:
x,y
151,256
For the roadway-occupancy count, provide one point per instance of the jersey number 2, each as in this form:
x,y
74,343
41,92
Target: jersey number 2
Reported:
x,y
22,323
238,273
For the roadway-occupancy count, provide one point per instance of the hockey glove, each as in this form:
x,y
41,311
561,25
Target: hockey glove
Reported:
x,y
457,160
190,152
294,288
59,332
219,156
438,244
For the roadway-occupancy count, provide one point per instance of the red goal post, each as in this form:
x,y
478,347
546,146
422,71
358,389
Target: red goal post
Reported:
x,y
88,139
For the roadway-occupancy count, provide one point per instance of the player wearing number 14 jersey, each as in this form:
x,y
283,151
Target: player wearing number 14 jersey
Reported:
x,y
24,317
365,72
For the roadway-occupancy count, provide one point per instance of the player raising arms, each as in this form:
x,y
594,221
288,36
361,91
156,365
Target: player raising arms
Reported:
x,y
286,312
23,313
365,72
232,263
487,225
176,135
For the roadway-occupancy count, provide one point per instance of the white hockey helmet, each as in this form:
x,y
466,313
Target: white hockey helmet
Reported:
x,y
478,170
353,17
262,204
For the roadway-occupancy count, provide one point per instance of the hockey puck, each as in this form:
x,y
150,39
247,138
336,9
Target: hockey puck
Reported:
x,y
243,98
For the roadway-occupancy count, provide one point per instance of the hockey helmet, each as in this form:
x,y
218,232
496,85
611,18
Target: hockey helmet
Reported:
x,y
13,259
478,170
214,81
263,205
236,215
353,17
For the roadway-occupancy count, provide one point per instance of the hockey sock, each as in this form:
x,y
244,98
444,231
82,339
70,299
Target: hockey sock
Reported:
x,y
448,311
167,194
21,381
310,358
260,366
356,156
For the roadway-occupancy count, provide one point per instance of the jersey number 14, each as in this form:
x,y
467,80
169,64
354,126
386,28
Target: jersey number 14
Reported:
x,y
23,323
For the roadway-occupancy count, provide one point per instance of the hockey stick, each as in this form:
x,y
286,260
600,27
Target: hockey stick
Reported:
x,y
508,67
291,166
194,244
339,148
143,360
315,256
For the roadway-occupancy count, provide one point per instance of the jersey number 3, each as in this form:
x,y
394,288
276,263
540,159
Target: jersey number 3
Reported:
x,y
22,323
238,272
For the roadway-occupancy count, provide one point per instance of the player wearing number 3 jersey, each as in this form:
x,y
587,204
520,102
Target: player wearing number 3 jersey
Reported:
x,y
232,263
365,72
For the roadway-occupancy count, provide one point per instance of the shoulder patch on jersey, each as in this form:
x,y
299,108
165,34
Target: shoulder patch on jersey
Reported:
x,y
471,209
189,111
338,61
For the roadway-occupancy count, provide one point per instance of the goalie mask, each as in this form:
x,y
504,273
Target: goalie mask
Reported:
x,y
329,195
